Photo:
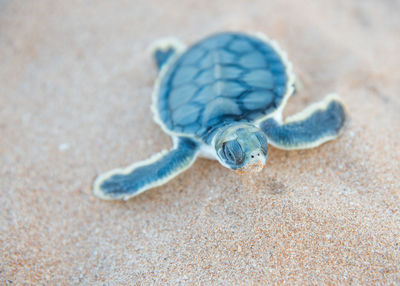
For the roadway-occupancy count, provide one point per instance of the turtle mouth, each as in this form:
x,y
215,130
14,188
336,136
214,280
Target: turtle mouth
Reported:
x,y
254,167
256,162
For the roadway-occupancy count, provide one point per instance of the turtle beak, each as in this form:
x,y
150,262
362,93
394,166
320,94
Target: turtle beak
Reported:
x,y
257,167
256,162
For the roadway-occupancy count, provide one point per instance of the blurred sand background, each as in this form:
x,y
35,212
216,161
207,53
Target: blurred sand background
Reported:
x,y
75,90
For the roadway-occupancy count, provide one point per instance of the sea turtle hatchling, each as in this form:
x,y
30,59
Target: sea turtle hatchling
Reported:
x,y
222,98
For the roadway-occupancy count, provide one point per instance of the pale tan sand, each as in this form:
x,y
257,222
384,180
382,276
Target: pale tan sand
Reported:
x,y
75,86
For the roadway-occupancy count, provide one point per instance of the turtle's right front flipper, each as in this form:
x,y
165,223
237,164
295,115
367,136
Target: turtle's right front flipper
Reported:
x,y
126,183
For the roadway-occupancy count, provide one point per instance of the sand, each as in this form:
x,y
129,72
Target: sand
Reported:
x,y
75,92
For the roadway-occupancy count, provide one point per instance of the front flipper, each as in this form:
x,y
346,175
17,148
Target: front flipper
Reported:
x,y
315,125
128,182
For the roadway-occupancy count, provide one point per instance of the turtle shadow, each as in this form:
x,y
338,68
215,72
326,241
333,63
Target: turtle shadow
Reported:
x,y
276,187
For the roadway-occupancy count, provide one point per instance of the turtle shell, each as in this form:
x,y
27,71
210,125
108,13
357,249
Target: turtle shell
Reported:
x,y
223,78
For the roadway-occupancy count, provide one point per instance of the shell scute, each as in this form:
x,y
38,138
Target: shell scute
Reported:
x,y
260,78
181,95
254,60
228,88
184,75
187,114
220,107
241,46
253,100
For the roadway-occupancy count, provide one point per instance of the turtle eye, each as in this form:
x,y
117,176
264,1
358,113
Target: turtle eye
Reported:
x,y
263,142
233,152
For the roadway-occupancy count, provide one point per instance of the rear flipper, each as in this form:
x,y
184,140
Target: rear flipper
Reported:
x,y
122,184
165,49
317,124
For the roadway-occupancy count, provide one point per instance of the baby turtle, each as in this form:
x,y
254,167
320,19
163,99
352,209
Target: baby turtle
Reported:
x,y
223,98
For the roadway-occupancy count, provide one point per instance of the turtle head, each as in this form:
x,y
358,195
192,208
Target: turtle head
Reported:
x,y
241,146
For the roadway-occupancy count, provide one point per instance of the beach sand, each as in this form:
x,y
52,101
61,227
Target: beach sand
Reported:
x,y
76,79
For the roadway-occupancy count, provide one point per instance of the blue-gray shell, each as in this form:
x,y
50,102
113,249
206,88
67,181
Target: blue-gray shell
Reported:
x,y
223,78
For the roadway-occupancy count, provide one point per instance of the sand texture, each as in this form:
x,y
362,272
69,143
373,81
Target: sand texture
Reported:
x,y
76,79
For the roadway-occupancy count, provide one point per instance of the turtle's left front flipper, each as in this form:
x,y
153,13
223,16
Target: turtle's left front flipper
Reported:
x,y
122,184
317,124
